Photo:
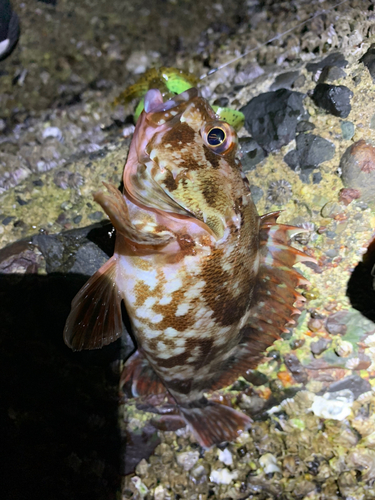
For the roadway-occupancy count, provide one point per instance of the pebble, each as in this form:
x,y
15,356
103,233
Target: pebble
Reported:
x,y
225,456
187,459
272,117
348,130
335,59
319,346
331,209
333,98
347,195
296,369
268,462
331,74
251,153
336,323
256,193
222,476
311,150
285,80
356,384
369,60
357,168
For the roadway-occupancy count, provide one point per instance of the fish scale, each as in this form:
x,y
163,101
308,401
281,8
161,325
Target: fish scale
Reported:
x,y
208,284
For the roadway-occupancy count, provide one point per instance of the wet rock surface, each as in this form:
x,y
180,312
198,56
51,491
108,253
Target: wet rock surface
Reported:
x,y
272,117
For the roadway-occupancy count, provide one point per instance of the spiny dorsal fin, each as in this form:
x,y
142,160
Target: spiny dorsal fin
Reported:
x,y
95,318
275,301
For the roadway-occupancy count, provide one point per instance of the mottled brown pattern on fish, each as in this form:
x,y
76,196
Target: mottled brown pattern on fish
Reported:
x,y
212,158
178,137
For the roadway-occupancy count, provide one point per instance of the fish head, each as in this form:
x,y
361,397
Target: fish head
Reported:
x,y
182,162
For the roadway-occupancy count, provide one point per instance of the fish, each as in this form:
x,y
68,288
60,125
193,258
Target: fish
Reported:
x,y
207,283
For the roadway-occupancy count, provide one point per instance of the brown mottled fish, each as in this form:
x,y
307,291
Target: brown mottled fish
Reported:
x,y
207,283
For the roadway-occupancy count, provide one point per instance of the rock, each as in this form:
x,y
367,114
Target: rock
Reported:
x,y
296,369
285,80
333,98
336,323
347,129
331,74
347,195
256,193
268,462
356,384
311,150
335,59
319,346
225,456
248,73
304,126
272,117
251,153
255,377
368,60
222,476
187,459
358,170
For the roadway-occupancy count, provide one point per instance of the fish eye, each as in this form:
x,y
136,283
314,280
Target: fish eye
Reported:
x,y
219,136
216,136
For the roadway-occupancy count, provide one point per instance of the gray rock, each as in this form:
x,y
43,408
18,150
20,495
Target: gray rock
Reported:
x,y
348,130
272,117
285,80
251,153
333,98
311,150
319,346
331,74
354,383
369,60
335,59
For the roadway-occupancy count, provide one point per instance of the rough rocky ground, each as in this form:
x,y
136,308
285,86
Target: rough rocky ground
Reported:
x,y
61,137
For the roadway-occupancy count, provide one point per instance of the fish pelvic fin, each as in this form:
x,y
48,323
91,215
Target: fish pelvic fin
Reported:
x,y
276,303
143,378
214,423
95,317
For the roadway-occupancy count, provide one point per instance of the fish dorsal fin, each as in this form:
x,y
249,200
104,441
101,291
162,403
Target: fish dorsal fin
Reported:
x,y
95,318
275,300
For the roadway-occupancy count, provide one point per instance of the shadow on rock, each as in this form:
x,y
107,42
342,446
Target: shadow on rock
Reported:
x,y
361,286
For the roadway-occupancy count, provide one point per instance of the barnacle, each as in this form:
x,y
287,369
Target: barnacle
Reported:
x,y
279,192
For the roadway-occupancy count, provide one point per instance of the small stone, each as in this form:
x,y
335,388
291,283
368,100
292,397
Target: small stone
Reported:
x,y
268,462
304,126
348,130
98,215
311,150
256,378
7,220
251,153
187,459
335,59
336,323
20,201
319,346
222,476
142,468
357,167
159,493
225,456
333,98
247,73
347,195
272,117
331,74
356,384
331,209
256,193
296,369
38,183
285,80
368,60
317,177
77,219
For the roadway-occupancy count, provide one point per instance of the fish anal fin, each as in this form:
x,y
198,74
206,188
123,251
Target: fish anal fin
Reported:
x,y
143,378
114,205
214,423
95,317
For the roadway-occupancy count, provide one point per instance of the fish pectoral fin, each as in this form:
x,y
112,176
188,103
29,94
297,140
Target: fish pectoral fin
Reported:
x,y
95,317
143,378
114,205
213,423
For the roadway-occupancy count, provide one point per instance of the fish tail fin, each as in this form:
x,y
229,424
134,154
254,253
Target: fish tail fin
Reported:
x,y
95,317
213,423
276,301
